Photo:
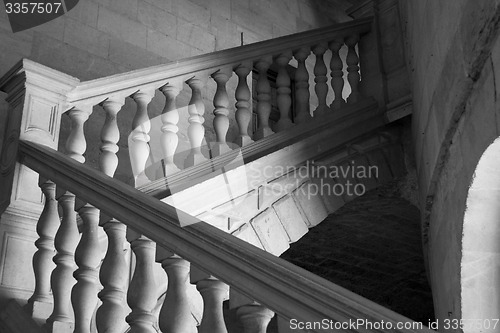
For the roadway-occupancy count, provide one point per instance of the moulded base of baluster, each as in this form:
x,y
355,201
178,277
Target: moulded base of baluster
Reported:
x,y
193,159
244,140
219,148
169,169
337,104
262,133
303,118
321,110
354,98
61,327
40,310
283,124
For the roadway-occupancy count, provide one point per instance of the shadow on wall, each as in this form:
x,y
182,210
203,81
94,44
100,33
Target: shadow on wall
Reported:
x,y
480,266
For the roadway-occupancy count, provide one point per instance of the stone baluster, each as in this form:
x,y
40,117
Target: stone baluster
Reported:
x,y
42,259
263,98
87,258
254,317
213,292
243,96
320,72
196,130
110,316
169,118
302,86
139,137
284,100
337,73
141,296
175,314
352,61
67,235
221,104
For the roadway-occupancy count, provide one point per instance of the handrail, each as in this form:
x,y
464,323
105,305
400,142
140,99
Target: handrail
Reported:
x,y
290,291
94,91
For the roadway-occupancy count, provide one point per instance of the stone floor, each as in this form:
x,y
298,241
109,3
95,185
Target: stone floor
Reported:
x,y
372,247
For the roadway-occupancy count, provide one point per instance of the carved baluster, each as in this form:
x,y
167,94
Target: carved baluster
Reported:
x,y
87,257
196,130
352,61
302,86
141,296
62,277
284,99
169,118
67,235
175,314
254,318
110,316
42,259
337,73
243,113
263,98
221,104
110,134
213,292
139,138
320,78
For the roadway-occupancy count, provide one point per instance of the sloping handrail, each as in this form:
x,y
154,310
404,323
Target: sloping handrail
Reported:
x,y
94,91
292,292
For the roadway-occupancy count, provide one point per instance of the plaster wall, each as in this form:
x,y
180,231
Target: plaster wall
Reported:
x,y
453,56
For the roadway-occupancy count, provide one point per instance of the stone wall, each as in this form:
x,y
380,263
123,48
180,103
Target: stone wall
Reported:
x,y
453,57
103,37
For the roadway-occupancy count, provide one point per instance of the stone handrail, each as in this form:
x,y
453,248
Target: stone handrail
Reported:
x,y
95,91
289,290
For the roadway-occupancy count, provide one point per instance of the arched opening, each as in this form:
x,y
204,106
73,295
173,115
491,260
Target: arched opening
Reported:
x,y
480,266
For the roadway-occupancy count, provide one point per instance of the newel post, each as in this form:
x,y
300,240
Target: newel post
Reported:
x,y
36,99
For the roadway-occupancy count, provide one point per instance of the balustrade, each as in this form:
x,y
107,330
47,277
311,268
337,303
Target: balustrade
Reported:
x,y
175,314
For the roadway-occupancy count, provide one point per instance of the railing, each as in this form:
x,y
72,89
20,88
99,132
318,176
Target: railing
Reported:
x,y
39,96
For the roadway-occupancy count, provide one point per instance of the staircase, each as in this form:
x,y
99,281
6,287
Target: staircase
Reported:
x,y
214,212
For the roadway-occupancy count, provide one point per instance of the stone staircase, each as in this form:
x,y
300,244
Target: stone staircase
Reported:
x,y
267,192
